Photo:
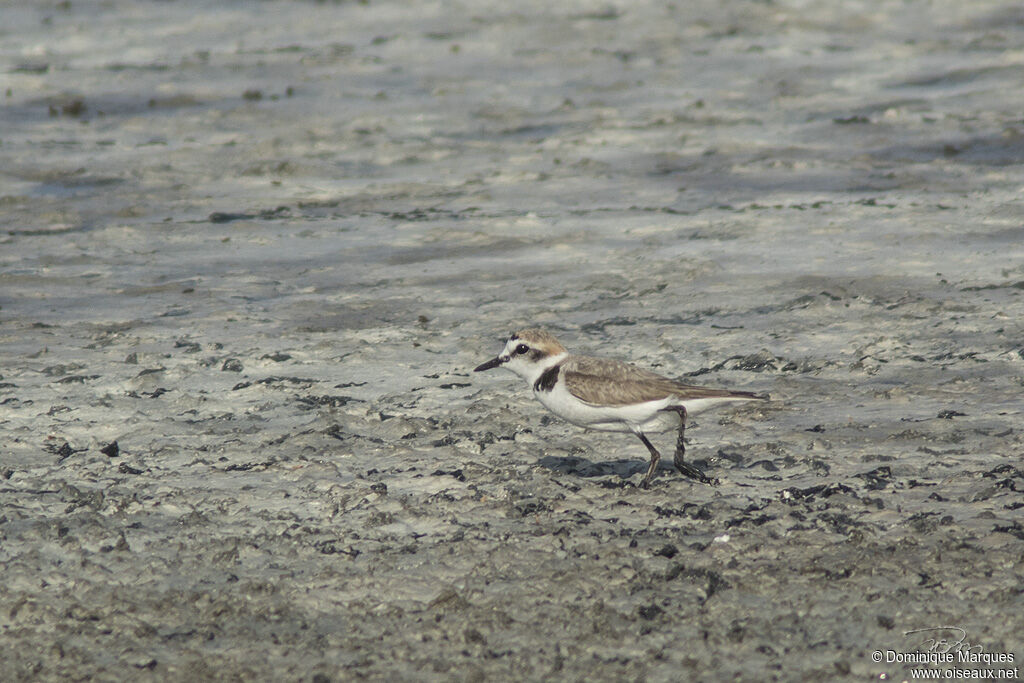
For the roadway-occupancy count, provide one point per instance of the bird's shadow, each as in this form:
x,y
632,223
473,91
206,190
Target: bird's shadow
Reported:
x,y
581,467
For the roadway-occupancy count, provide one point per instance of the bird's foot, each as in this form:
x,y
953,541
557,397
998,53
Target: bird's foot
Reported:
x,y
693,472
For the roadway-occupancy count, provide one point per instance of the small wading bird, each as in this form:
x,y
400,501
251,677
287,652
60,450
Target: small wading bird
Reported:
x,y
609,395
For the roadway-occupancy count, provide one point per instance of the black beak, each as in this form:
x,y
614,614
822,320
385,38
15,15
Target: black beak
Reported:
x,y
492,363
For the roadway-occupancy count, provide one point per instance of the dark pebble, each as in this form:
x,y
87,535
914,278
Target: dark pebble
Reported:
x,y
232,365
649,612
668,550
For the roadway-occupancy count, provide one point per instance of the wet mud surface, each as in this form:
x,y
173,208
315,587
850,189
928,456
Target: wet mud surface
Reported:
x,y
250,253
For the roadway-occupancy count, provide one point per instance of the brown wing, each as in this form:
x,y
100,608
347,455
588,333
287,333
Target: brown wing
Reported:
x,y
601,381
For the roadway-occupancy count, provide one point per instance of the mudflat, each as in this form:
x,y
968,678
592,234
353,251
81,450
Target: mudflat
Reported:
x,y
250,253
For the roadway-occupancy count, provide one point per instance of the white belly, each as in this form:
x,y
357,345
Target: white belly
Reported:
x,y
644,417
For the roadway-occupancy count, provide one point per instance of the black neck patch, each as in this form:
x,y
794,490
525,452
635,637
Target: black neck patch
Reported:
x,y
548,379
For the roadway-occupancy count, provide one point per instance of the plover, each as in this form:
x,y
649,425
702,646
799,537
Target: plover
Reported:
x,y
609,395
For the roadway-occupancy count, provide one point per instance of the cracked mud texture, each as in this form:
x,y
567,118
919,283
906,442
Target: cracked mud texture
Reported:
x,y
249,253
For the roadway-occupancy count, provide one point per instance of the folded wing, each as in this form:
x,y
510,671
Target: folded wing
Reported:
x,y
601,381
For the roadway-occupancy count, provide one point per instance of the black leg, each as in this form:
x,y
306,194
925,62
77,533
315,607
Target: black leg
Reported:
x,y
685,468
655,459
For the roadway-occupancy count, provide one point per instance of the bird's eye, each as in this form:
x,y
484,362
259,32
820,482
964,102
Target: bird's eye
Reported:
x,y
522,348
